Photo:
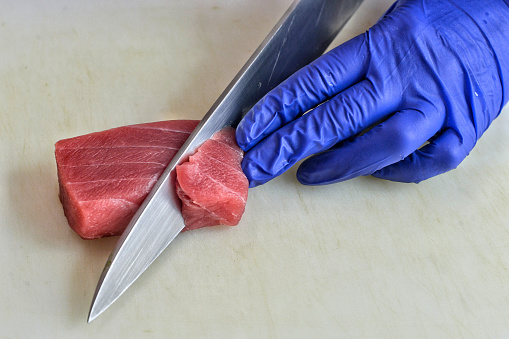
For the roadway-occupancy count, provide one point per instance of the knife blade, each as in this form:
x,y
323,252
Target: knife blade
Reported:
x,y
301,35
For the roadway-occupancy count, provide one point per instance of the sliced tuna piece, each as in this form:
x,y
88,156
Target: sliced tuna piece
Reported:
x,y
105,176
211,185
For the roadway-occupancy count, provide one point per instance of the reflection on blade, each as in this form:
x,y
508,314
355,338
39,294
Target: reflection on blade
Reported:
x,y
303,34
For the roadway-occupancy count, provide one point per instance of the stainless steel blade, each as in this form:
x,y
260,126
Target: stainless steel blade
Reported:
x,y
302,34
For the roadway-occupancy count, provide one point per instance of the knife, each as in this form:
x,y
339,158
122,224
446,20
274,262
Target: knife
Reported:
x,y
301,35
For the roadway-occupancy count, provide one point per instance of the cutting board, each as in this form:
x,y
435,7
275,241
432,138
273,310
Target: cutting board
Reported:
x,y
364,258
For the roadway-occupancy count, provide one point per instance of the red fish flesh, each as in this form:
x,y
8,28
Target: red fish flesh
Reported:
x,y
211,185
105,176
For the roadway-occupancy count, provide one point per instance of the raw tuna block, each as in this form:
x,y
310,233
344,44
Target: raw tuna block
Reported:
x,y
105,176
211,185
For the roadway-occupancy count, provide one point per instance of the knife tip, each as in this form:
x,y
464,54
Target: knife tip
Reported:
x,y
94,313
99,302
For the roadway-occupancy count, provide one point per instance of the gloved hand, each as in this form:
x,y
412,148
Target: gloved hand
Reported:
x,y
430,71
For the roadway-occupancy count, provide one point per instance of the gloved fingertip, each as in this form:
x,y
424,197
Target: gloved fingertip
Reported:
x,y
330,167
304,176
310,174
253,172
253,183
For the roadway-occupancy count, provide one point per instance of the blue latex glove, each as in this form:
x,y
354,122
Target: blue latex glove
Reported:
x,y
432,71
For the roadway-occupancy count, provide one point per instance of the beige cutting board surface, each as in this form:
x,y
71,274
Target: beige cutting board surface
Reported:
x,y
365,258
